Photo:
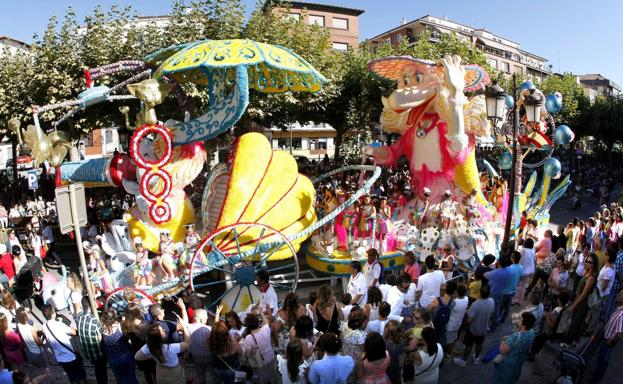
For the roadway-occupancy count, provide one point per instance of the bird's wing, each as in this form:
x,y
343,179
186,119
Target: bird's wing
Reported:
x,y
58,155
38,143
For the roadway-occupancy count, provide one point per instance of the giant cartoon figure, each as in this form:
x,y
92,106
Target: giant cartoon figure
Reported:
x,y
437,122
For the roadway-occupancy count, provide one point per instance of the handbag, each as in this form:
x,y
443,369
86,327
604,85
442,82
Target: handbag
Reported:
x,y
594,299
70,348
255,360
239,376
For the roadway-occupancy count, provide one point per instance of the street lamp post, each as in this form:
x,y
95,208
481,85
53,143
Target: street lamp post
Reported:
x,y
495,102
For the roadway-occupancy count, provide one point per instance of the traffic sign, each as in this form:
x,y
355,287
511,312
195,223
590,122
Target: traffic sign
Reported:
x,y
33,181
64,207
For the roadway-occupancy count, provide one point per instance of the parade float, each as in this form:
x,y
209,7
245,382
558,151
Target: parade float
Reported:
x,y
257,209
439,110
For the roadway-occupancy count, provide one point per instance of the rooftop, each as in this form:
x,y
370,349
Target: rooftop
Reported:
x,y
316,7
479,33
19,42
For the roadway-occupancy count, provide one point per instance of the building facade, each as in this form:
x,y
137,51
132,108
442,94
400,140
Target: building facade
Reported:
x,y
311,140
101,142
14,46
595,85
341,22
503,54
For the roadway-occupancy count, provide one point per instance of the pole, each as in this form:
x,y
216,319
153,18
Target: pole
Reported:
x,y
78,236
290,139
506,246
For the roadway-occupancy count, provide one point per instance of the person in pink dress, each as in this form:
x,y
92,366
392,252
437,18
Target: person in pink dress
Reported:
x,y
374,360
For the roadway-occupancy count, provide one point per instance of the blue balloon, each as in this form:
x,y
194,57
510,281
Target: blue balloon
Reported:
x,y
506,160
509,101
552,167
553,102
563,135
528,84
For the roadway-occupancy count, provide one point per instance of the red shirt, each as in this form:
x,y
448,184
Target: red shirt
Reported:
x,y
6,265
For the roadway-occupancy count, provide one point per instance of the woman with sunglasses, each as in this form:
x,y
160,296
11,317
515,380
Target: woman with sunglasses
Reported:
x,y
580,307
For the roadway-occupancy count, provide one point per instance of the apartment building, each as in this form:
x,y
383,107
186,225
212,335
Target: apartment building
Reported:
x,y
595,85
503,54
341,22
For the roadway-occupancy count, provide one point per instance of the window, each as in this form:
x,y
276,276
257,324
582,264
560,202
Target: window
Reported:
x,y
340,23
518,69
108,136
493,63
88,139
293,16
506,67
315,19
340,46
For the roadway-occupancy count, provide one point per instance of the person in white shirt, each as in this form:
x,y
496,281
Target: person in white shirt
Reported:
x,y
527,269
372,269
57,336
429,284
396,295
390,281
357,285
606,277
456,317
166,355
48,238
268,296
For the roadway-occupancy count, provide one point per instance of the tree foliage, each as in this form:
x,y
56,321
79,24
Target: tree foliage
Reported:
x,y
572,95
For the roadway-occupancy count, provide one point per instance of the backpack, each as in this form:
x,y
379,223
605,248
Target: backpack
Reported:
x,y
442,316
382,274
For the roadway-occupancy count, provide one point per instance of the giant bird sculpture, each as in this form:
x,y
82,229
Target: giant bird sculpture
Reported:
x,y
52,147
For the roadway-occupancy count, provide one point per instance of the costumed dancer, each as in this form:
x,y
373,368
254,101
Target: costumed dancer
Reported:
x,y
471,208
384,225
191,241
166,253
421,208
447,210
143,266
96,267
349,220
338,227
399,203
366,218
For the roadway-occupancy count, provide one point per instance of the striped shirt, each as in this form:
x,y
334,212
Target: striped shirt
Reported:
x,y
618,269
614,326
90,335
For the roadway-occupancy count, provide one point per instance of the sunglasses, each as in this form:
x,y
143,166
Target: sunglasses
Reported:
x,y
588,262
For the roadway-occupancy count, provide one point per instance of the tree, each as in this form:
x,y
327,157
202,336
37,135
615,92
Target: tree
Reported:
x,y
572,94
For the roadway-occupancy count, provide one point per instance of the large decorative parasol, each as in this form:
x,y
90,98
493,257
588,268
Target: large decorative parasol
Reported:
x,y
229,68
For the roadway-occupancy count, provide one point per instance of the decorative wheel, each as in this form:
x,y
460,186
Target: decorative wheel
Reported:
x,y
225,263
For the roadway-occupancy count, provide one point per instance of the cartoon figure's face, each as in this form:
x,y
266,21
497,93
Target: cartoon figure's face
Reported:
x,y
417,85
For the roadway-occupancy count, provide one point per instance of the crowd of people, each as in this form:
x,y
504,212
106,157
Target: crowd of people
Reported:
x,y
386,327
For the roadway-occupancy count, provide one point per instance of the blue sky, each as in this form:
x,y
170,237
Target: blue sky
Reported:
x,y
576,36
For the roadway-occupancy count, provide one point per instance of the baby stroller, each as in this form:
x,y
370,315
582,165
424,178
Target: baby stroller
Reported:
x,y
571,365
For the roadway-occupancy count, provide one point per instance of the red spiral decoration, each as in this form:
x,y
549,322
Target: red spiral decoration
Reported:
x,y
159,210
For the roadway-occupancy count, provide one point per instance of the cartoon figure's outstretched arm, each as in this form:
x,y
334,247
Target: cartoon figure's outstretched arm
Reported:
x,y
455,100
